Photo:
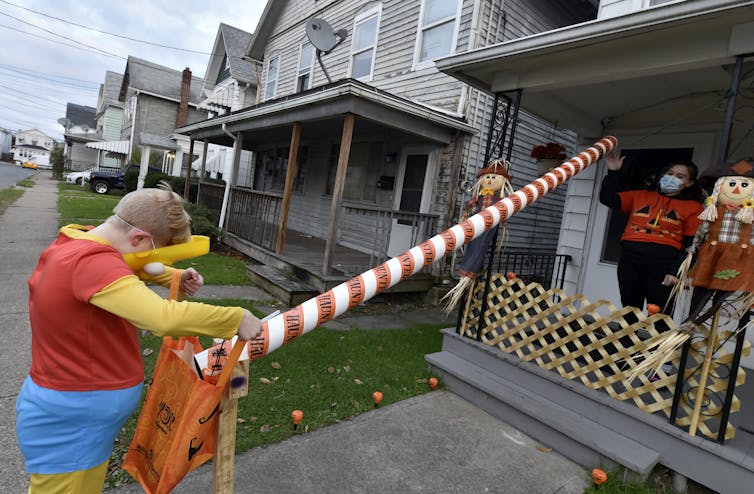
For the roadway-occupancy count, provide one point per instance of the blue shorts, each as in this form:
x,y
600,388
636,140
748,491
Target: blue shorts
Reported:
x,y
66,431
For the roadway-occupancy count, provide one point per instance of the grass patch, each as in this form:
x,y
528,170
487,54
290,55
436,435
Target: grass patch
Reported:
x,y
218,269
329,375
83,207
8,197
26,183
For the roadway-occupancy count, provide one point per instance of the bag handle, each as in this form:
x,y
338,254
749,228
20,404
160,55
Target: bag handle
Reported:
x,y
235,353
175,286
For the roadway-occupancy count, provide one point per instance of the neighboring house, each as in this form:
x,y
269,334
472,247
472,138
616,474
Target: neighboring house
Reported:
x,y
230,83
111,150
80,129
33,145
156,99
6,141
382,150
669,79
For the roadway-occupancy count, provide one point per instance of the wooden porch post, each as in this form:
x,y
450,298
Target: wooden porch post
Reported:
x,y
187,187
143,166
337,193
290,175
231,181
201,172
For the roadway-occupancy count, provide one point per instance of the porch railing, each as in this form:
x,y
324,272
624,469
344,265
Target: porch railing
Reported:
x,y
211,196
254,216
545,268
368,229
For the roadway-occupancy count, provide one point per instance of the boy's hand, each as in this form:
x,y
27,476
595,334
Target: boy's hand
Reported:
x,y
250,326
191,281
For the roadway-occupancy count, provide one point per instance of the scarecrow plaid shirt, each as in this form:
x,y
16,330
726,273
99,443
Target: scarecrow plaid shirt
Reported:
x,y
730,229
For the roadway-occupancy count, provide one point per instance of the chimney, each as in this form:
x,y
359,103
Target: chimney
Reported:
x,y
180,119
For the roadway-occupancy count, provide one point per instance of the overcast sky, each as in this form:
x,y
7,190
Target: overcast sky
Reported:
x,y
47,62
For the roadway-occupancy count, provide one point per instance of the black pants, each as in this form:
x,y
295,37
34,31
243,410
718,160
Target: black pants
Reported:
x,y
639,282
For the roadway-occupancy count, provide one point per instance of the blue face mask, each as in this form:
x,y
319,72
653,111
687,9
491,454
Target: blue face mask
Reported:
x,y
670,184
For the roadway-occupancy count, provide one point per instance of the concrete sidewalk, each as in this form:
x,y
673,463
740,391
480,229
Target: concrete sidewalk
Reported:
x,y
435,443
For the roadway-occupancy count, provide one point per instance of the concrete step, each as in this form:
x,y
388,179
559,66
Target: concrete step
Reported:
x,y
283,286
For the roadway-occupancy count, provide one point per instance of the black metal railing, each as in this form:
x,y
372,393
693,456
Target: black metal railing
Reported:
x,y
545,268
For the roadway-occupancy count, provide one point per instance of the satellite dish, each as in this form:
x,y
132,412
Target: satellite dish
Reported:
x,y
324,39
66,123
84,128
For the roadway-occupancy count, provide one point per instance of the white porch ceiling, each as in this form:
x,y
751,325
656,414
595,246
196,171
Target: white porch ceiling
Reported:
x,y
664,67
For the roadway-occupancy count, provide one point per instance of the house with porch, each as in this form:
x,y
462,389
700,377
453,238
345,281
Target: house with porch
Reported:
x,y
670,79
32,145
80,128
365,151
231,83
111,151
156,99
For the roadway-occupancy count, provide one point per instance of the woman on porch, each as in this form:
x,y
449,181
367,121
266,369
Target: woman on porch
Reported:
x,y
661,225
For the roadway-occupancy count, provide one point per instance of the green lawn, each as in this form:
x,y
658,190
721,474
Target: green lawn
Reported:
x,y
8,197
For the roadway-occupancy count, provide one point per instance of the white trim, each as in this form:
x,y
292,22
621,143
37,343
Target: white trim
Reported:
x,y
365,16
301,48
431,152
417,63
267,77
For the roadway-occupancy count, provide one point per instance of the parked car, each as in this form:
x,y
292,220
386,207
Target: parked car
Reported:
x,y
79,178
102,181
29,164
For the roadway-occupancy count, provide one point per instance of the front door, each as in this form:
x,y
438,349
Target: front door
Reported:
x,y
413,189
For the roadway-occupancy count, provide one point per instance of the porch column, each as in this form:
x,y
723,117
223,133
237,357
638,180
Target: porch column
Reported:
x,y
231,180
99,159
175,171
337,193
290,175
143,166
201,171
187,187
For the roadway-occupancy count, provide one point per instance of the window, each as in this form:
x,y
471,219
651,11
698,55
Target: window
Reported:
x,y
272,166
364,43
272,77
224,71
438,29
364,169
305,66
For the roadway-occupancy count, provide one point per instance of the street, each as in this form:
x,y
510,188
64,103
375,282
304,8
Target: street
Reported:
x,y
10,174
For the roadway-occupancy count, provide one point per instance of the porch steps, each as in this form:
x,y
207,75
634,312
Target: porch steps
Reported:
x,y
585,425
282,285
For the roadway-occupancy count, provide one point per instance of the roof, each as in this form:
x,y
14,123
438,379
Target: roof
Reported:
x,y
157,80
157,141
373,106
111,88
236,40
267,21
119,147
81,115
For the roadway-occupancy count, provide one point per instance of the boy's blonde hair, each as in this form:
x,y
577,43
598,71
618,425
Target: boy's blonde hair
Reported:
x,y
158,212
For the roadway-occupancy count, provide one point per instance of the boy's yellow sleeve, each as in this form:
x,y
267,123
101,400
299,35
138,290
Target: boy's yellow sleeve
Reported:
x,y
131,299
163,279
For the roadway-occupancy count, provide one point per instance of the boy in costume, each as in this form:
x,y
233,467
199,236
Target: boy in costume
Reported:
x,y
85,305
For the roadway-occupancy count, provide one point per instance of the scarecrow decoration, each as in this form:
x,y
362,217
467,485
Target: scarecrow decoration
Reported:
x,y
723,264
493,183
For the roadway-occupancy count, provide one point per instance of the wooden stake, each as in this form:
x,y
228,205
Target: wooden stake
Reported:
x,y
225,437
711,342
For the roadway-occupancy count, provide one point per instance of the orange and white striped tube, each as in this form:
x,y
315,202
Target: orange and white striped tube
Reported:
x,y
301,319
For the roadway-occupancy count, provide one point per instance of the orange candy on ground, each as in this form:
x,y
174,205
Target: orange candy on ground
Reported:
x,y
377,396
599,476
432,382
297,415
653,309
510,275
